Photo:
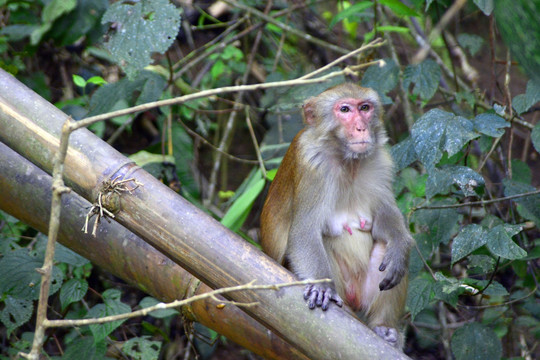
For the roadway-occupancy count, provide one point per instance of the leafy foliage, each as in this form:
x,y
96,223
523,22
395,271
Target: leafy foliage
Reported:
x,y
142,28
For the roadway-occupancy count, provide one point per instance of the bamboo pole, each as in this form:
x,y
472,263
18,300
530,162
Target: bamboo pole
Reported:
x,y
187,235
25,187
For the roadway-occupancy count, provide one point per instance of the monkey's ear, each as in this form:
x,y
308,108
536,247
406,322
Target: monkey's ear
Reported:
x,y
308,110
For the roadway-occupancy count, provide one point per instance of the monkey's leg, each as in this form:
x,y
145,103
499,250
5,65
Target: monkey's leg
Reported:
x,y
384,308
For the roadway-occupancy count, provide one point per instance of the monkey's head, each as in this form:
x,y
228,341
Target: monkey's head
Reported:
x,y
349,114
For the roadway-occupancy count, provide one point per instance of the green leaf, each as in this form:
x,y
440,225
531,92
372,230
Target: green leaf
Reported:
x,y
500,242
146,87
412,180
493,288
529,206
217,69
96,80
140,348
271,174
18,275
79,81
64,255
448,289
56,8
419,295
441,180
143,158
158,314
523,102
469,239
111,306
535,137
471,42
403,153
476,342
437,131
85,349
425,76
72,291
485,5
396,29
235,216
16,312
398,7
481,264
143,28
382,79
440,224
83,21
356,10
490,124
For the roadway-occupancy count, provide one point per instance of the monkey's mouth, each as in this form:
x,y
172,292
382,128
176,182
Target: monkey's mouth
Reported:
x,y
359,146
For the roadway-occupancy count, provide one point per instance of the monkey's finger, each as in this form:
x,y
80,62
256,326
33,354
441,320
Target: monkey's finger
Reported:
x,y
313,299
386,284
321,297
307,291
337,299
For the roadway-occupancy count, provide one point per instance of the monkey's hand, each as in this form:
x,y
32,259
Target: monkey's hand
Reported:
x,y
395,262
321,295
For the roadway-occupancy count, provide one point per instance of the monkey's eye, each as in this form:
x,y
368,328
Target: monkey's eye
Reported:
x,y
344,109
364,107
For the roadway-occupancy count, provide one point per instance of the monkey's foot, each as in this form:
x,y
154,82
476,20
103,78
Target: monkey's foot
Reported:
x,y
390,335
320,295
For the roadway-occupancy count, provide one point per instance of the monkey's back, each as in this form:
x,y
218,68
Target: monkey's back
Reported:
x,y
277,210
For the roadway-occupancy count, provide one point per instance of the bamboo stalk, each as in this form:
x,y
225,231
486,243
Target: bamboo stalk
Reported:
x,y
25,187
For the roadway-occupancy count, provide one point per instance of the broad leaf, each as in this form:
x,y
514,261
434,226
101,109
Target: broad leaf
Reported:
x,y
535,137
448,289
146,87
403,153
529,206
437,131
142,28
475,341
425,76
524,102
440,224
18,275
398,7
141,348
72,291
419,295
111,306
15,313
469,239
382,79
500,242
480,264
490,124
85,348
441,180
159,314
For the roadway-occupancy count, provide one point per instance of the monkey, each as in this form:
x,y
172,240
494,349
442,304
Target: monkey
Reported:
x,y
330,211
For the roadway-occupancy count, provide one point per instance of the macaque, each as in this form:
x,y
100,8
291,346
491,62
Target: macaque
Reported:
x,y
331,212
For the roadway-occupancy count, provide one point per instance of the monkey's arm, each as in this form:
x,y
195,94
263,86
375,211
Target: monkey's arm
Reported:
x,y
389,227
306,252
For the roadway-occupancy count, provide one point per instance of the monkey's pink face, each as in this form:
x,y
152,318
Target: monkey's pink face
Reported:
x,y
355,116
